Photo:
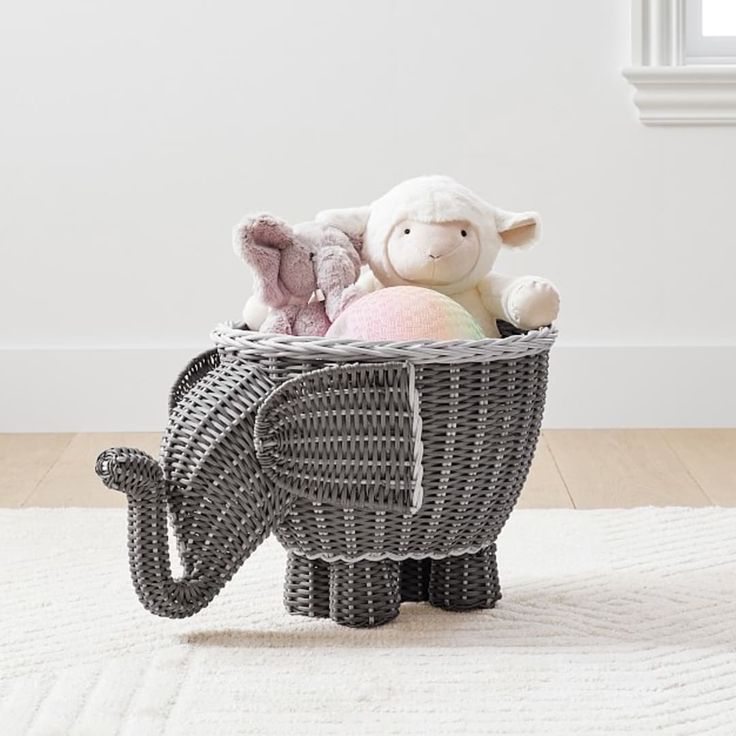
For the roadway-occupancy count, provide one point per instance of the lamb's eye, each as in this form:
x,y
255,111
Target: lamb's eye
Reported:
x,y
464,233
406,231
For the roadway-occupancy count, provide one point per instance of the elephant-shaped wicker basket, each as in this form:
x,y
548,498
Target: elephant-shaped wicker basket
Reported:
x,y
386,470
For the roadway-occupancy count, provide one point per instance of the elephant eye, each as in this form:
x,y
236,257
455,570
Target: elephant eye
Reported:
x,y
464,233
311,256
407,231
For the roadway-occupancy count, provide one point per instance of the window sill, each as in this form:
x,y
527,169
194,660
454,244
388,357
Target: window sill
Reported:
x,y
684,95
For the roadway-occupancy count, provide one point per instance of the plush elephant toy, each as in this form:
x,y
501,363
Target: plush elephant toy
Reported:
x,y
294,268
431,231
386,480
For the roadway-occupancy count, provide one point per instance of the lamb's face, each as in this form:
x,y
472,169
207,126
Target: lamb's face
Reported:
x,y
433,254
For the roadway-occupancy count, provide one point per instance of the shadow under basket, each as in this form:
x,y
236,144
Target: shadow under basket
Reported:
x,y
386,470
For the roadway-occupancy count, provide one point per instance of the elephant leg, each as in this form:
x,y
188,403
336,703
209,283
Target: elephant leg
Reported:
x,y
364,594
465,582
307,587
415,579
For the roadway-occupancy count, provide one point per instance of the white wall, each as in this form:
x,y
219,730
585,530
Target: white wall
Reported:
x,y
135,134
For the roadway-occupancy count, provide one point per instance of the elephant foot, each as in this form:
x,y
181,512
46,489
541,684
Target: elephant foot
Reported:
x,y
307,587
364,594
415,579
465,582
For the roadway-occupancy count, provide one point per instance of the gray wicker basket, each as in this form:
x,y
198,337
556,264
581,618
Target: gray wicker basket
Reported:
x,y
385,469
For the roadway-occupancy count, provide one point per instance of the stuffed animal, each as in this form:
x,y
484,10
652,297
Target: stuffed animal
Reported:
x,y
433,232
405,313
304,275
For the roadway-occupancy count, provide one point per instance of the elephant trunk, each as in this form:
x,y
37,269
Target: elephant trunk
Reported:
x,y
208,559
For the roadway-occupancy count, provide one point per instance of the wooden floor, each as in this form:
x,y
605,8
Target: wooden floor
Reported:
x,y
582,469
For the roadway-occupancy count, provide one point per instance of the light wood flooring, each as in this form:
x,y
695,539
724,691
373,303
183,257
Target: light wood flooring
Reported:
x,y
582,469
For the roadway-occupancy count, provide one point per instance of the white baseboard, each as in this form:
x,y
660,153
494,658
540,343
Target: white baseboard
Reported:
x,y
86,390
642,386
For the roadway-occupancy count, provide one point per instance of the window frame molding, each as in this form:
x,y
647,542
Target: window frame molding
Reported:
x,y
667,91
700,49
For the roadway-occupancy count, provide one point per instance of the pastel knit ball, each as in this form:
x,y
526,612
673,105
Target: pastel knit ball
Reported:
x,y
405,313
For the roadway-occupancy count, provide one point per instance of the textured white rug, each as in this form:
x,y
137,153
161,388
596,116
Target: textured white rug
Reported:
x,y
611,622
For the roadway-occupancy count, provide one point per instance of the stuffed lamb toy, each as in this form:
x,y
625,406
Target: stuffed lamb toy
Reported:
x,y
435,233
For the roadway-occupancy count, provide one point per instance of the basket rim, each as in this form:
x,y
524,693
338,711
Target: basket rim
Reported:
x,y
233,338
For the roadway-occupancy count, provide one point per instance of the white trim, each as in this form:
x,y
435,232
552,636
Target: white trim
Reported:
x,y
685,95
118,390
88,389
667,91
657,28
393,556
639,386
416,428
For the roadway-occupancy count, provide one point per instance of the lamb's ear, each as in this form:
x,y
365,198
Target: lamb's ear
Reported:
x,y
350,220
518,229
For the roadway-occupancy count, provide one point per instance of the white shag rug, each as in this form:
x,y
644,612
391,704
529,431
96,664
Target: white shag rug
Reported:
x,y
611,622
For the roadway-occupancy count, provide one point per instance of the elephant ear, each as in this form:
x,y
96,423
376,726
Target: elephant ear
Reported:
x,y
348,436
260,240
350,220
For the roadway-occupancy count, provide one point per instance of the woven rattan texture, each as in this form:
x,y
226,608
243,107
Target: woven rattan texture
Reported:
x,y
465,582
307,587
480,424
467,422
365,593
415,579
233,340
196,369
346,436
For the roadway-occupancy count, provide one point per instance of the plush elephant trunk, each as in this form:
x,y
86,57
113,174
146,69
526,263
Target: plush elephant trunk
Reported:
x,y
208,563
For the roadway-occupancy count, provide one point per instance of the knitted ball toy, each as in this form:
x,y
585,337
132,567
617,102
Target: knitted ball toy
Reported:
x,y
405,313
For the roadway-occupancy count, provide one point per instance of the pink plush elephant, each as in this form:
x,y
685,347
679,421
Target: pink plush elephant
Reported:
x,y
304,275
